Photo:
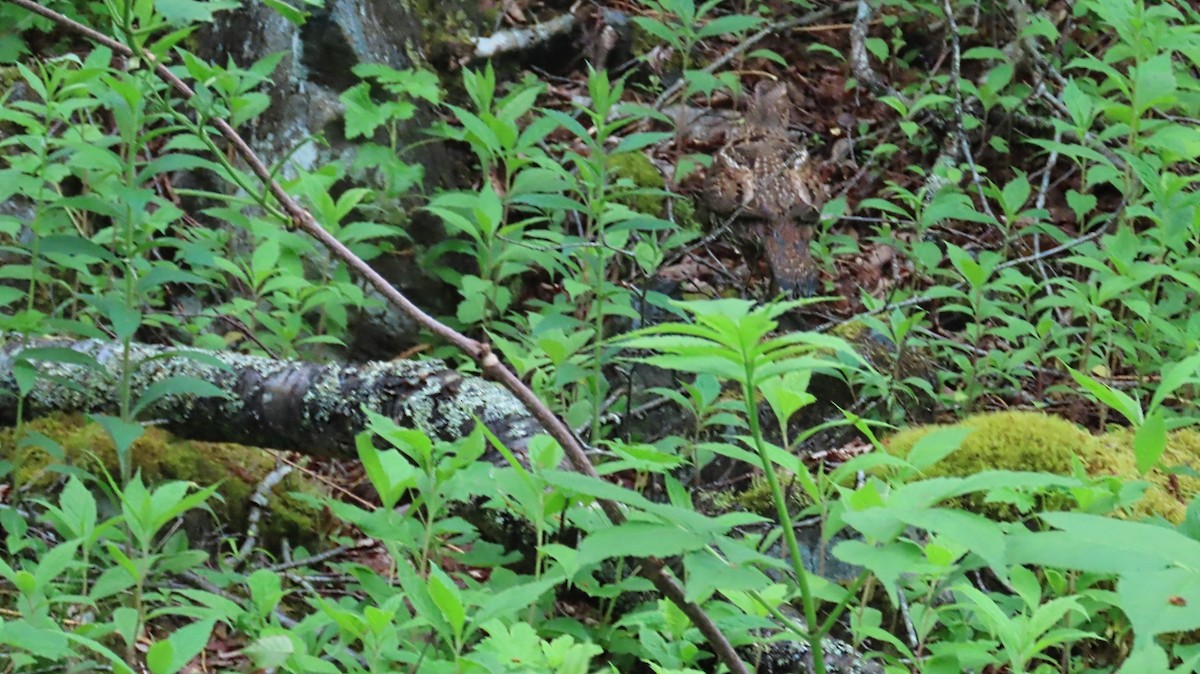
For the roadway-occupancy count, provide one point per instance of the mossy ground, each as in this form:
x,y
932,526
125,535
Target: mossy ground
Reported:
x,y
644,175
161,457
1031,441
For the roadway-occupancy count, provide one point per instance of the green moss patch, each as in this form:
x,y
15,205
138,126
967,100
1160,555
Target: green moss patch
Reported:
x,y
161,457
1032,441
639,170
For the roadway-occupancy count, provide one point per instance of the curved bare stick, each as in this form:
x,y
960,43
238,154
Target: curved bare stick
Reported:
x,y
860,61
655,569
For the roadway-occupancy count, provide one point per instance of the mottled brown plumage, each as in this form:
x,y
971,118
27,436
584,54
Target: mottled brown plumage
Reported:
x,y
765,179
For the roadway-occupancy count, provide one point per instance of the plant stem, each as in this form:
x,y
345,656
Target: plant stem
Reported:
x,y
785,521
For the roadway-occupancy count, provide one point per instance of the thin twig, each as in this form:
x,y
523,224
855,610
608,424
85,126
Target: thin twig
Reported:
x,y
959,110
860,60
258,502
322,557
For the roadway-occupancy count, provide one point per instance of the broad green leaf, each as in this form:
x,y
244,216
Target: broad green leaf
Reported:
x,y
54,354
1162,601
180,385
1173,377
1118,400
936,446
184,644
74,246
1154,84
390,473
639,539
122,433
270,652
1103,545
732,23
888,561
707,573
976,533
447,597
506,603
192,11
1149,442
46,642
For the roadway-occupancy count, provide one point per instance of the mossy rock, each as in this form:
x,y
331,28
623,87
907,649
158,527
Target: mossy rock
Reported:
x,y
161,457
1032,441
1169,494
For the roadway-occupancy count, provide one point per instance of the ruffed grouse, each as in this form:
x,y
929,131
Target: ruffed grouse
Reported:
x,y
764,178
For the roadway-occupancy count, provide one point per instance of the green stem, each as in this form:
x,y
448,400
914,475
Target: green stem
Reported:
x,y
596,204
841,606
785,520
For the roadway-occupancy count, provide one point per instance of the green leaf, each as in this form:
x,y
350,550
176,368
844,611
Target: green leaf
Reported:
x,y
390,473
181,385
47,642
976,533
888,561
878,48
637,141
74,246
1148,656
639,539
1118,400
160,657
936,446
163,274
507,602
447,597
54,354
55,562
1015,194
707,572
362,115
1162,601
733,23
122,433
172,500
774,57
9,295
1154,84
290,14
77,508
116,662
952,205
1149,442
929,101
192,11
1103,545
1175,376
173,654
270,652
658,29
787,394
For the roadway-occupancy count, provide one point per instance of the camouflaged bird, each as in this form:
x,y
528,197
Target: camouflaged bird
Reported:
x,y
762,177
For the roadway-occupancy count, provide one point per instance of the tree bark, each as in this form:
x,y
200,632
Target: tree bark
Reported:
x,y
289,405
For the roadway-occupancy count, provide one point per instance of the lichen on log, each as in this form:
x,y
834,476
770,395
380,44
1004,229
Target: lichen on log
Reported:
x,y
308,408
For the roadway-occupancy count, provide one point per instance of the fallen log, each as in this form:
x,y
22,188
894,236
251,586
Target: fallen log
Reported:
x,y
307,408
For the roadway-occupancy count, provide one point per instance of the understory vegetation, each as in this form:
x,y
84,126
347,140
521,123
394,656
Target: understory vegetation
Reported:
x,y
969,451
